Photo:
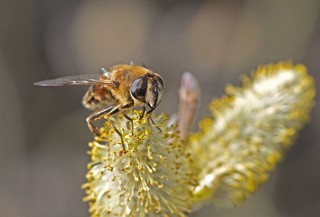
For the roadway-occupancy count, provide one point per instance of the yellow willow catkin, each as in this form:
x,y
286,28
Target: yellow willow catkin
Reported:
x,y
153,177
248,132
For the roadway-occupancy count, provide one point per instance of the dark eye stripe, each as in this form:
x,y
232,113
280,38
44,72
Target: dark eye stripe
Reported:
x,y
161,82
154,83
157,84
155,96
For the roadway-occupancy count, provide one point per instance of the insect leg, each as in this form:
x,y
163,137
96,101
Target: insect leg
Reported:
x,y
98,115
118,132
126,116
143,111
106,113
150,118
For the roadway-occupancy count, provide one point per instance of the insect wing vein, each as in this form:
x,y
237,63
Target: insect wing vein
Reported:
x,y
89,79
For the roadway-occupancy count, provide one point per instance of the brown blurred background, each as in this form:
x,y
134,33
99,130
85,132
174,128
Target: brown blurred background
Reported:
x,y
43,134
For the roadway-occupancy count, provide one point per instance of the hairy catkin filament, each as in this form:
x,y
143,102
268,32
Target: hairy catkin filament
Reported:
x,y
248,132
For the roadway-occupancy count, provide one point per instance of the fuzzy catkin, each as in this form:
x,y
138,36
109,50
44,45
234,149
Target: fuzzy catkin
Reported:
x,y
233,153
153,178
248,132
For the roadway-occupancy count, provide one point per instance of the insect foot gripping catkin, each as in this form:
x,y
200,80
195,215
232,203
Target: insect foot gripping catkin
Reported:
x,y
248,132
152,178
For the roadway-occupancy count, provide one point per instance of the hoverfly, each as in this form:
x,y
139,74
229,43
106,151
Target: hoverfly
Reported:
x,y
114,90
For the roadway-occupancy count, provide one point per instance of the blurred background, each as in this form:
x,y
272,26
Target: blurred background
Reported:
x,y
43,134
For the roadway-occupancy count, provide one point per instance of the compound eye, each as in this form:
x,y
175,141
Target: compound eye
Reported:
x,y
139,89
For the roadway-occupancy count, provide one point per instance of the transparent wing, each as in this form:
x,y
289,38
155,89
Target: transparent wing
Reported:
x,y
89,79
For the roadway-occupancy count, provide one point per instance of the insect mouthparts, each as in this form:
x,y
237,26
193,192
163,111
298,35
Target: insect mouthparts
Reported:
x,y
113,91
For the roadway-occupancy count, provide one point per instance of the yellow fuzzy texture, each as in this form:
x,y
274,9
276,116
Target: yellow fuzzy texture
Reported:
x,y
153,177
249,131
236,148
